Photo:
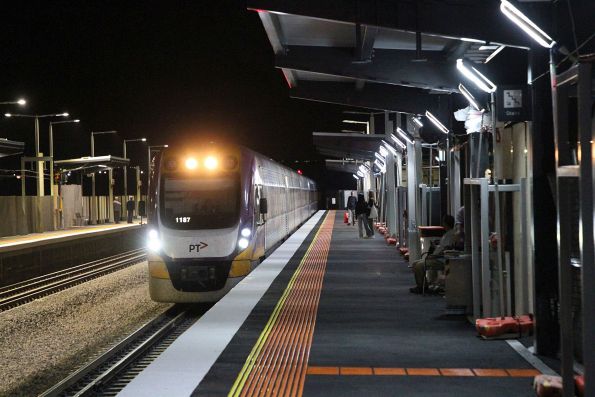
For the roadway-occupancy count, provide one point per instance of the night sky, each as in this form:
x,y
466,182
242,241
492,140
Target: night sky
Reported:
x,y
171,71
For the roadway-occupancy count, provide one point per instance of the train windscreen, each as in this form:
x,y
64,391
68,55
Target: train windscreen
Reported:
x,y
199,203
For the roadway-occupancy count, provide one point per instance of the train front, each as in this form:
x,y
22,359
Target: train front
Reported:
x,y
201,225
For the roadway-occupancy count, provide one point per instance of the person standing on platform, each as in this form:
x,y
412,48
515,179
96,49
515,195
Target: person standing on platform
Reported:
x,y
130,208
351,202
372,213
117,210
361,213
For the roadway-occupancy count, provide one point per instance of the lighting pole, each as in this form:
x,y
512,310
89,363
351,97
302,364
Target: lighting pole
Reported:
x,y
36,117
20,102
93,203
126,171
52,123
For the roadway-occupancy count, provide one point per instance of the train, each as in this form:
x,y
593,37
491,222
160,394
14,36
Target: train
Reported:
x,y
214,214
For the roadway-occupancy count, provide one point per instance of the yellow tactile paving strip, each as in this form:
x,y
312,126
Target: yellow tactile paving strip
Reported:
x,y
481,372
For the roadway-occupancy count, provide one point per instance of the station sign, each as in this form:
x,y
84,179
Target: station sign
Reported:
x,y
513,103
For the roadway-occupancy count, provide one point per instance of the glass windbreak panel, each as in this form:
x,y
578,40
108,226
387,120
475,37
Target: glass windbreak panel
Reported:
x,y
199,203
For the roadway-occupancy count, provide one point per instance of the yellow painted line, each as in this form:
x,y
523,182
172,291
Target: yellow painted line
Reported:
x,y
240,381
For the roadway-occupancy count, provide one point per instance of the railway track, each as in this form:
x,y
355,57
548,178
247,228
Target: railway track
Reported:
x,y
112,371
29,290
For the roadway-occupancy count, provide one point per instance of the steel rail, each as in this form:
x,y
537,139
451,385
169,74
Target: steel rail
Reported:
x,y
23,292
97,375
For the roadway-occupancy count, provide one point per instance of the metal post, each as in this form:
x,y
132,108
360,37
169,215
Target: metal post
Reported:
x,y
110,204
138,193
125,173
486,276
431,184
23,190
93,205
475,258
497,205
39,164
391,216
52,193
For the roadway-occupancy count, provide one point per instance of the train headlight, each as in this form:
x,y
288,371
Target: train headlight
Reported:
x,y
191,163
243,243
153,241
211,163
246,232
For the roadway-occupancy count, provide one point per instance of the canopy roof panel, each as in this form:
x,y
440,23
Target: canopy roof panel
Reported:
x,y
10,148
91,164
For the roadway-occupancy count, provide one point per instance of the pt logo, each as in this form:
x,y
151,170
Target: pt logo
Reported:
x,y
197,247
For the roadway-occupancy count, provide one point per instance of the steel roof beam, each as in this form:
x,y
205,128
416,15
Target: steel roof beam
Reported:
x,y
372,96
475,19
365,36
389,66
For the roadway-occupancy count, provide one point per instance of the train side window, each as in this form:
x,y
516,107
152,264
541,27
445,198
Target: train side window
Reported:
x,y
257,207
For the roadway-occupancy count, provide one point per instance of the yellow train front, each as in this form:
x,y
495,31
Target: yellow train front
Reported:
x,y
214,215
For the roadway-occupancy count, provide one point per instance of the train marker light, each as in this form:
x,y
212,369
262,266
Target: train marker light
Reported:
x,y
191,163
521,20
246,232
211,163
243,243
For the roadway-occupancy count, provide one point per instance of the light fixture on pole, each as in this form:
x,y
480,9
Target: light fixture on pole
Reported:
x,y
36,117
20,102
379,156
436,122
398,142
389,147
355,176
405,136
381,166
493,54
360,174
417,121
382,150
367,123
472,101
52,123
363,168
521,20
482,82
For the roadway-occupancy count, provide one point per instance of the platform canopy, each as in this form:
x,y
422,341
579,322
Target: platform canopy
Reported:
x,y
91,164
347,145
395,55
10,148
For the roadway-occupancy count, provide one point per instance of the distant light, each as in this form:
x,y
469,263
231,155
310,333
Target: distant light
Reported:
x,y
493,54
144,140
521,20
211,162
389,147
482,82
76,121
356,177
405,136
65,114
142,172
22,102
436,122
383,151
472,101
379,156
7,115
246,232
488,47
18,177
300,172
471,40
360,174
165,145
417,121
191,163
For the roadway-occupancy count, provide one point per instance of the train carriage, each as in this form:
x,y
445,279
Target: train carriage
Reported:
x,y
214,214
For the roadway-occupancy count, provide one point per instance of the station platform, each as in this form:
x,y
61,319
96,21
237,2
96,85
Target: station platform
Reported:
x,y
329,314
13,243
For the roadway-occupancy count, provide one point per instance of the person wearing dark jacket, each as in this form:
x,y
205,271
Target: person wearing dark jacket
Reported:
x,y
361,213
372,213
351,202
130,208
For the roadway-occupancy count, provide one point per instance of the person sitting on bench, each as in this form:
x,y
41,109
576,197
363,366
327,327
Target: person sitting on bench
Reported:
x,y
435,260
